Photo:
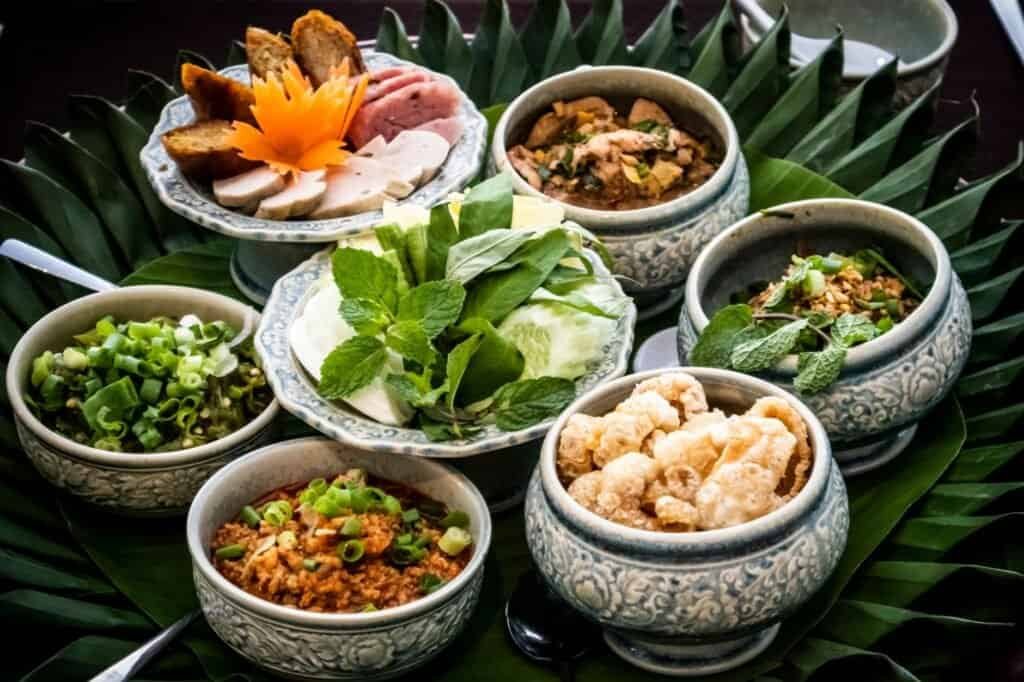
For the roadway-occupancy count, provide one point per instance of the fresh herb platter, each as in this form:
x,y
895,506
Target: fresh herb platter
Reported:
x,y
931,541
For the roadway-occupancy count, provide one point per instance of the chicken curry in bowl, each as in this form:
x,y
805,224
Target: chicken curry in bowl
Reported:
x,y
586,153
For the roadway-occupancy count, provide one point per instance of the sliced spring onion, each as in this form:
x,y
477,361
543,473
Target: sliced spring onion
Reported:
x,y
455,518
454,540
150,391
403,555
369,608
286,539
310,565
230,552
411,516
430,583
352,527
74,358
277,513
249,516
351,551
391,505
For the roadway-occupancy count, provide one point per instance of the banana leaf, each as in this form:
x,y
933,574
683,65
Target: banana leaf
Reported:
x,y
601,38
928,528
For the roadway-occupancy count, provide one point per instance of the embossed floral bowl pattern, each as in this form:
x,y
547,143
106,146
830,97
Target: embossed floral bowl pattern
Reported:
x,y
195,201
887,385
159,484
653,247
688,603
326,646
698,602
297,391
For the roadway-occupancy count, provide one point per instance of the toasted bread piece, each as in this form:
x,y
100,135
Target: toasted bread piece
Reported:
x,y
215,96
320,43
267,53
202,151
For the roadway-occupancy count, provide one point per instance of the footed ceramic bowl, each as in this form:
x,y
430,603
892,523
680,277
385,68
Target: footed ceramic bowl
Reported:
x,y
653,247
154,484
332,646
689,604
257,264
502,460
887,385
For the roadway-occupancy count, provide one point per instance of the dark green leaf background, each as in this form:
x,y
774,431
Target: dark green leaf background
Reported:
x,y
932,571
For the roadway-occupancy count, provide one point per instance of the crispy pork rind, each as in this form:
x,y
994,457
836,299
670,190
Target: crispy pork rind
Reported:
x,y
675,515
799,466
576,445
616,491
662,413
697,450
682,390
623,432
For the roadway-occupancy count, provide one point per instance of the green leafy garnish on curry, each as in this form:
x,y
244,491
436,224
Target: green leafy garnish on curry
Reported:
x,y
821,307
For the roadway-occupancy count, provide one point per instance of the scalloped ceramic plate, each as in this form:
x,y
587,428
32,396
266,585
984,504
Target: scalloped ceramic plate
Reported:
x,y
296,391
195,202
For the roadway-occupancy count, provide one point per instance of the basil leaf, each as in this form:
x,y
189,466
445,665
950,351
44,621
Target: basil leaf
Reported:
x,y
441,234
760,354
435,305
494,296
722,334
472,257
360,274
415,389
488,206
817,371
408,339
365,316
525,403
440,431
351,366
851,329
458,362
495,363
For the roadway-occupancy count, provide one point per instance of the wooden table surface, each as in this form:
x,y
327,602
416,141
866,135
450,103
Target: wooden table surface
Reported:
x,y
49,50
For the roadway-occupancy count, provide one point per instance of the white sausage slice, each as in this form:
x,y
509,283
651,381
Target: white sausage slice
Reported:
x,y
373,147
300,197
355,187
417,148
249,187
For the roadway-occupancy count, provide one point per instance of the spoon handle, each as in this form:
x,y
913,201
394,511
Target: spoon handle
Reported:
x,y
125,669
28,255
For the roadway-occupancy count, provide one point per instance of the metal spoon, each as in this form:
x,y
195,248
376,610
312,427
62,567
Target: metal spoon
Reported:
x,y
125,669
47,263
858,56
544,628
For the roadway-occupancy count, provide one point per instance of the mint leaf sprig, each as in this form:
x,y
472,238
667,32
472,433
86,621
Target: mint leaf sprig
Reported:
x,y
736,338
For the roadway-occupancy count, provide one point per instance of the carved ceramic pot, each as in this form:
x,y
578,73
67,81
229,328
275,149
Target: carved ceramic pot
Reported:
x,y
154,484
332,646
653,247
886,385
697,603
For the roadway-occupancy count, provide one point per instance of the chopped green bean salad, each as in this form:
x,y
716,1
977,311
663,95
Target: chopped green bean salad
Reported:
x,y
153,386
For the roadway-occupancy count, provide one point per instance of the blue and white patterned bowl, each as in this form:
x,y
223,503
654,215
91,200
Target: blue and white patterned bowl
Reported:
x,y
138,484
887,385
502,477
196,202
689,603
653,247
332,646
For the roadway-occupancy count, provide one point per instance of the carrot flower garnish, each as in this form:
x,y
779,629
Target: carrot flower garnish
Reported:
x,y
300,128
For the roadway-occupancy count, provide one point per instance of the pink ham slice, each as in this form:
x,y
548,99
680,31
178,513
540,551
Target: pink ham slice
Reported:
x,y
448,128
403,109
390,72
377,90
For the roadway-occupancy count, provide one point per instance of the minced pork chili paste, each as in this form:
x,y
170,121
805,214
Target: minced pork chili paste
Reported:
x,y
355,544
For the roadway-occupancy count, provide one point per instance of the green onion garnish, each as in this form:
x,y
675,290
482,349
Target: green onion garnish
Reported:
x,y
391,505
410,516
230,552
249,516
352,527
455,518
310,565
454,540
369,608
351,551
430,583
277,513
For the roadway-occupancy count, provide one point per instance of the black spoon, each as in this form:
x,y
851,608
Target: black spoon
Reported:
x,y
545,628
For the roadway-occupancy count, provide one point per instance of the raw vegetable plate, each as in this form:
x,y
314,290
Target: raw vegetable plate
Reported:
x,y
196,202
310,284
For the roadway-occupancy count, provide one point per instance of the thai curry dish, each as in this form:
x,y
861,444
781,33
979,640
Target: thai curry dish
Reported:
x,y
585,153
352,544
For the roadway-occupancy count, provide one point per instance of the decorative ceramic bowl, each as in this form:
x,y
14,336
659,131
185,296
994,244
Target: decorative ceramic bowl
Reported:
x,y
257,264
157,484
689,603
653,247
887,385
920,32
332,646
502,474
